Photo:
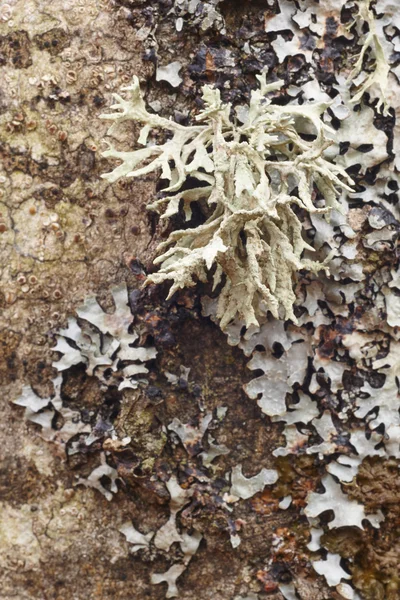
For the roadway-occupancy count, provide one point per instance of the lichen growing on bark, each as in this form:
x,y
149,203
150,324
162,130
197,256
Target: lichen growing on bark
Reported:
x,y
379,76
349,352
249,176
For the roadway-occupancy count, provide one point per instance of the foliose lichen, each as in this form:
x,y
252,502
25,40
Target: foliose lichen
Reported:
x,y
379,76
247,179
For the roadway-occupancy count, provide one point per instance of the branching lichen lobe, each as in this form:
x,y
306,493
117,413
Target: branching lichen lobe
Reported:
x,y
378,78
250,175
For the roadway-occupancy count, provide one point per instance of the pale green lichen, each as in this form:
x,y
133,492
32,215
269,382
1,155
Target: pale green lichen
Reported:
x,y
380,73
247,177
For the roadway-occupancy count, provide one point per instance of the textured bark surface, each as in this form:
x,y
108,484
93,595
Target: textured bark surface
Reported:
x,y
66,234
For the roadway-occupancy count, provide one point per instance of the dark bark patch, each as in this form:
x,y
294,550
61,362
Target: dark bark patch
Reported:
x,y
21,482
54,41
15,50
51,195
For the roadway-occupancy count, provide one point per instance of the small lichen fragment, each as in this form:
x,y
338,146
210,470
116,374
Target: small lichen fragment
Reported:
x,y
244,488
138,540
96,477
168,533
170,577
331,569
189,546
170,73
190,435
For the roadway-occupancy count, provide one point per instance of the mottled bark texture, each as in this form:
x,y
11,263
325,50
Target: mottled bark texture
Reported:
x,y
66,234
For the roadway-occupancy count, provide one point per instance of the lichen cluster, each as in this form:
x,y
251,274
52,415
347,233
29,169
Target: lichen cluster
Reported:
x,y
248,177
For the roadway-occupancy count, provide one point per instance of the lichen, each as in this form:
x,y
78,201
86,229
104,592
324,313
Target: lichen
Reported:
x,y
64,236
248,177
380,73
101,342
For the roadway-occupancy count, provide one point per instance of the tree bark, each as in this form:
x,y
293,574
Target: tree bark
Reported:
x,y
66,235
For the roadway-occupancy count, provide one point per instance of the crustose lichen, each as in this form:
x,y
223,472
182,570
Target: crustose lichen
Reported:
x,y
247,177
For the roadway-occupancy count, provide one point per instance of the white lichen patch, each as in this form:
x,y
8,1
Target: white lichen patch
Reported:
x,y
170,73
170,577
138,540
99,341
168,534
370,73
246,175
213,451
95,479
243,487
348,134
347,512
331,569
378,407
279,377
43,410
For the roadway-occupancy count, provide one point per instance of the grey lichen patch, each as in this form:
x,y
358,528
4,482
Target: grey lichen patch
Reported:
x,y
102,343
249,176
